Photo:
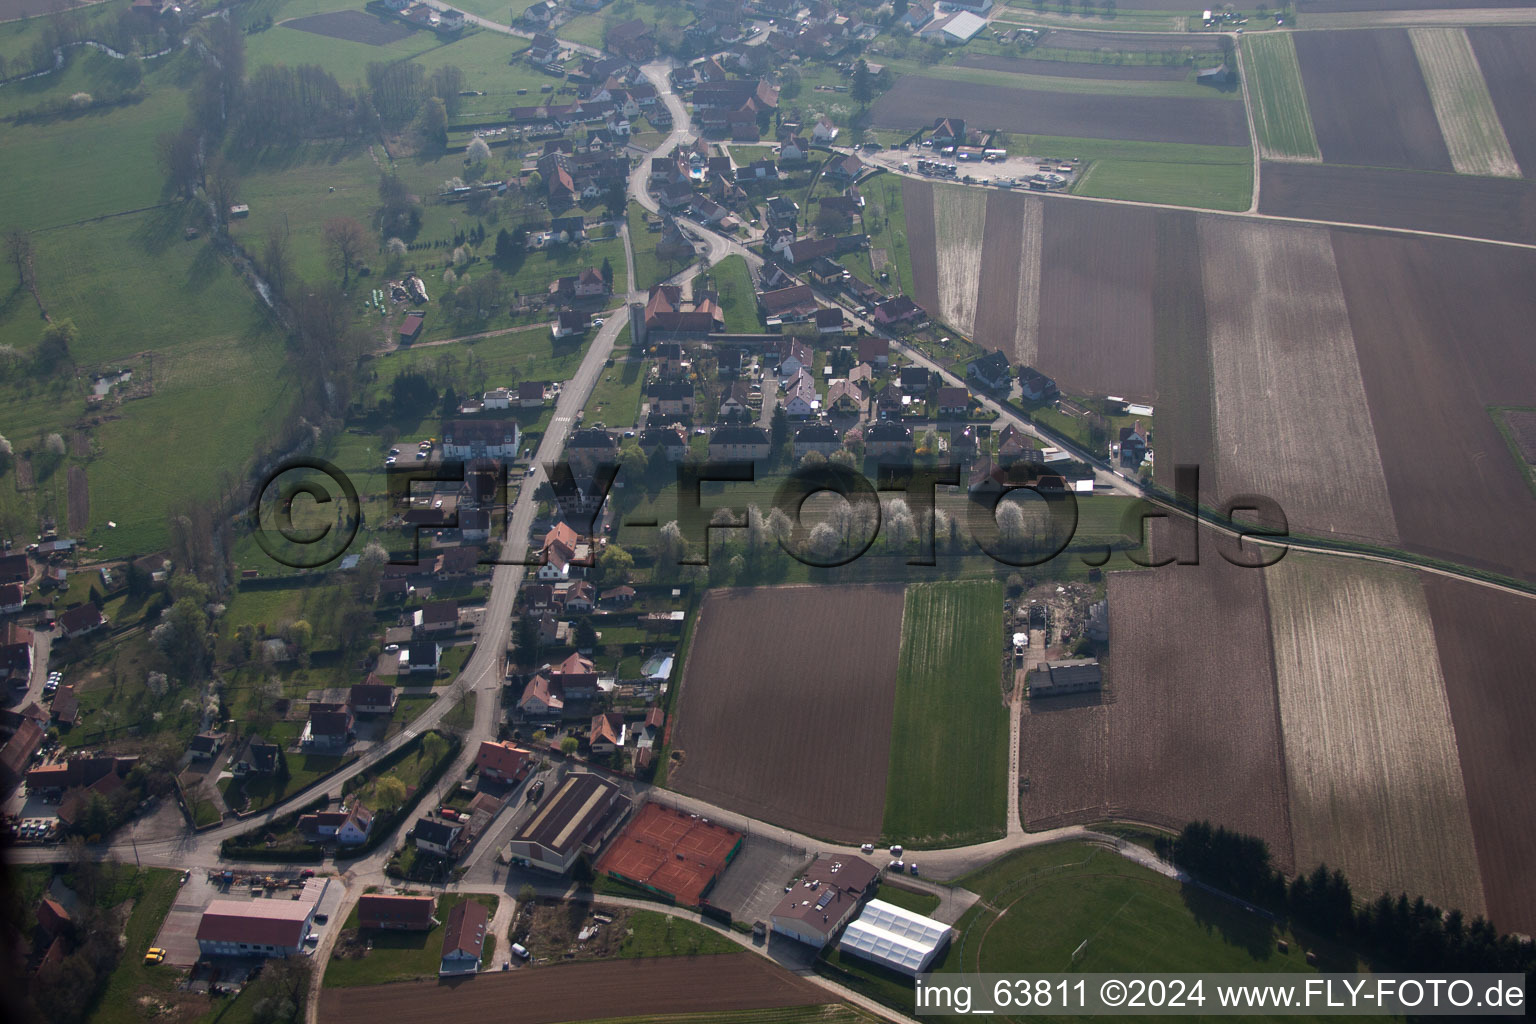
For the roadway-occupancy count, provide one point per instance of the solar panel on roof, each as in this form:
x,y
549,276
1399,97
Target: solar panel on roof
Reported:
x,y
826,898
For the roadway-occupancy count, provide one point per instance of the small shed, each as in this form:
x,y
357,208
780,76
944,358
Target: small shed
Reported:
x,y
410,330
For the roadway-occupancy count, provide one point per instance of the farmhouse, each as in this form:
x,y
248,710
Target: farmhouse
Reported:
x,y
672,853
824,899
1074,675
895,938
254,927
576,820
396,913
464,938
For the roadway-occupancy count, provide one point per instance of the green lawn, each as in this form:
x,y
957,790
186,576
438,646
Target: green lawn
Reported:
x,y
917,902
656,934
733,280
153,890
949,740
1205,186
615,400
403,956
885,220
1280,114
590,28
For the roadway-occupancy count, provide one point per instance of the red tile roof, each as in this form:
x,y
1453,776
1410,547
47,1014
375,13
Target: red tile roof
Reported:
x,y
467,923
380,910
258,922
504,759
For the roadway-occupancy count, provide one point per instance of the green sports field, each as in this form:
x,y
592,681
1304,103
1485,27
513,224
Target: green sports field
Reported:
x,y
949,740
1280,114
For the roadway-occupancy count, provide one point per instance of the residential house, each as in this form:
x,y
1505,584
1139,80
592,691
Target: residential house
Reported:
x,y
349,826
800,397
917,15
991,371
948,131
824,131
914,380
827,272
480,439
1133,445
669,440
422,656
13,597
435,836
799,357
373,697
502,762
782,212
953,403
15,654
667,313
205,746
18,752
542,697
844,168
81,620
673,398
464,938
631,39
899,310
66,706
795,150
788,305
735,404
590,448
844,397
888,441
817,437
576,676
530,394
1036,386
580,597
389,912
607,733
15,569
875,351
439,618
328,728
497,398
621,596
829,321
739,444
545,47
568,324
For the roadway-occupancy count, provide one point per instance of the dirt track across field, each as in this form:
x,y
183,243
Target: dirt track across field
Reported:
x,y
1455,204
916,100
1368,100
590,991
1487,646
787,702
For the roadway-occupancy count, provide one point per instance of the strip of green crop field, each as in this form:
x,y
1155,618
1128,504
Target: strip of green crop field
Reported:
x,y
1280,113
949,740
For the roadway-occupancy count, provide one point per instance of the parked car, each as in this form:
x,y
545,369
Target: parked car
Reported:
x,y
155,955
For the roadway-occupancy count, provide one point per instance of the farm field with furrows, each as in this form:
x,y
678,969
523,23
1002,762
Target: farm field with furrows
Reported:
x,y
1008,307
1442,331
587,991
949,738
918,199
1076,68
1372,765
1280,114
1288,393
1496,208
916,100
784,688
1507,58
1368,100
1471,129
1180,43
1487,644
1187,727
1096,268
959,220
1186,414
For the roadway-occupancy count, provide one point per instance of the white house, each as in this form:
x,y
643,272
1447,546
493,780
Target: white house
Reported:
x,y
824,131
501,398
482,439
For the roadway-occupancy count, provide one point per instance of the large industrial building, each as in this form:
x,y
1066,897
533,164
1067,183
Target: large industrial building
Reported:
x,y
577,819
824,898
895,937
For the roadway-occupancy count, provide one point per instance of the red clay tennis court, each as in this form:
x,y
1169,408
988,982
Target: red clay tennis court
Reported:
x,y
671,852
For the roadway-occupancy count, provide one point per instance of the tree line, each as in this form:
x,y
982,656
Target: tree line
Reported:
x,y
1394,934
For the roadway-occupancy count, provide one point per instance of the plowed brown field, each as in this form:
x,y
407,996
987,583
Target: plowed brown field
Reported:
x,y
1097,265
1008,312
1186,414
787,703
917,198
1487,647
1368,100
1190,730
1499,208
590,991
1077,69
1442,330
